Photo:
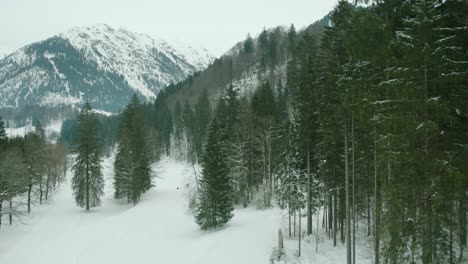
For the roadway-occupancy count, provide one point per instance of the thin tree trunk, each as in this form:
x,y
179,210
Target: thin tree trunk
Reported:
x,y
335,217
317,230
451,233
462,222
47,186
354,190
87,186
29,194
10,215
324,217
294,223
289,220
368,216
348,220
335,202
330,214
342,214
40,190
300,235
1,211
376,208
309,193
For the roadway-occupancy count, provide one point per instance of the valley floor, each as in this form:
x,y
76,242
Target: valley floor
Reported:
x,y
157,230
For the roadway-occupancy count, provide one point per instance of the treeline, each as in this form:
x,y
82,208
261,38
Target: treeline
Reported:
x,y
386,91
30,169
263,55
132,165
369,128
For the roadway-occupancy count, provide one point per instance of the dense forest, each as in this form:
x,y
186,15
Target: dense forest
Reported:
x,y
365,119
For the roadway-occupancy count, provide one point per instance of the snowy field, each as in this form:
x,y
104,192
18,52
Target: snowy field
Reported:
x,y
159,229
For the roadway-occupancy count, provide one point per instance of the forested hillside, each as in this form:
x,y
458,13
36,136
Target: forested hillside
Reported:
x,y
365,119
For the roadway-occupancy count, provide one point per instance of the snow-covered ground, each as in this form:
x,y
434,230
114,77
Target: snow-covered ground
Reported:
x,y
19,131
157,230
319,249
52,130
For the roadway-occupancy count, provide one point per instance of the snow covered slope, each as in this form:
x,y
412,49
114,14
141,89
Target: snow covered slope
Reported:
x,y
157,230
96,63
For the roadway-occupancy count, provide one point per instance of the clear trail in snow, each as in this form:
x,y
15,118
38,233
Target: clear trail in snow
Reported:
x,y
157,230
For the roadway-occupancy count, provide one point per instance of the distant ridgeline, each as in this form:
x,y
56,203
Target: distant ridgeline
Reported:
x,y
53,78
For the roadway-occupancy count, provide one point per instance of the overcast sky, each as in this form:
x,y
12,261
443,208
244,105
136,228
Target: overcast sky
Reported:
x,y
213,24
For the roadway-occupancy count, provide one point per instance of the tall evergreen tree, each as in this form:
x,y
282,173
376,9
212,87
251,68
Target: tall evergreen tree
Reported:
x,y
215,196
132,162
88,181
202,118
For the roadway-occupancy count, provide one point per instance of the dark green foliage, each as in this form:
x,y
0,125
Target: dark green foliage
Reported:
x,y
390,80
164,124
249,45
88,181
3,135
132,162
202,115
215,196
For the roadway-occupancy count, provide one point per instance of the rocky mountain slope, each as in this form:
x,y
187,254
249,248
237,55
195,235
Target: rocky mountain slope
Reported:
x,y
96,63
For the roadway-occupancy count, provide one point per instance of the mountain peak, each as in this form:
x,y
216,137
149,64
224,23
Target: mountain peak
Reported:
x,y
95,61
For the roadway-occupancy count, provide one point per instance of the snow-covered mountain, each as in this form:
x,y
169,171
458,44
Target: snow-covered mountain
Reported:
x,y
96,63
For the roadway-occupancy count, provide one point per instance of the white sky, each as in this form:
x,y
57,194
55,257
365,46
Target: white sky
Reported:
x,y
213,24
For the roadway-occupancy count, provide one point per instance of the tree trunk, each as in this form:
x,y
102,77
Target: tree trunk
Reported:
x,y
342,214
289,220
309,193
10,215
294,223
462,222
29,194
376,208
87,186
335,202
450,232
324,217
316,231
335,216
1,211
330,215
47,186
40,190
368,216
354,190
300,235
280,239
348,215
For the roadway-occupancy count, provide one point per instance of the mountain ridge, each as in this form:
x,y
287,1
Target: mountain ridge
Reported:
x,y
97,63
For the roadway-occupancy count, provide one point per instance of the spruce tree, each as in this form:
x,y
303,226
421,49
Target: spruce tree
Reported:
x,y
132,163
88,181
3,135
215,197
202,117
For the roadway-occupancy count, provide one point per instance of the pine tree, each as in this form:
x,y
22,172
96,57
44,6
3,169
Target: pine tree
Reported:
x,y
132,162
189,132
3,135
202,117
248,47
88,181
215,196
